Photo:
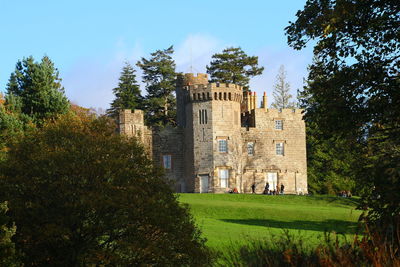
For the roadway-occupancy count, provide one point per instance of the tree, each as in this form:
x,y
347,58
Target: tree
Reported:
x,y
82,195
8,255
282,97
234,66
355,89
160,78
13,123
127,94
38,86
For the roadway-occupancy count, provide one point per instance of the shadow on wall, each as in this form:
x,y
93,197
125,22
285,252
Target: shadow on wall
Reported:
x,y
338,226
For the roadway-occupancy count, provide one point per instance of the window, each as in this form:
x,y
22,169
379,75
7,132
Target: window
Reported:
x,y
167,162
250,148
279,149
278,125
224,176
223,145
203,116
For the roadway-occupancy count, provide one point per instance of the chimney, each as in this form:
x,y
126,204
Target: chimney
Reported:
x,y
248,99
265,103
255,100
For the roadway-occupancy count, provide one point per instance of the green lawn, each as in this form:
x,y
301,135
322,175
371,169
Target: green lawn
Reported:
x,y
233,220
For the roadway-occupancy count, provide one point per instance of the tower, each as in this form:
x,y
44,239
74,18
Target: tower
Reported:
x,y
210,116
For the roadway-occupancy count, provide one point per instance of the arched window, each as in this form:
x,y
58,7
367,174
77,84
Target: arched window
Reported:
x,y
220,96
215,96
204,96
194,96
229,96
198,96
224,96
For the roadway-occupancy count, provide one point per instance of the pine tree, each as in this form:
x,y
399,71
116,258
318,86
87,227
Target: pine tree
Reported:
x,y
160,78
282,97
127,94
39,88
234,66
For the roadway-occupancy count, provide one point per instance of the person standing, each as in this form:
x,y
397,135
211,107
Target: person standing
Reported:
x,y
253,188
266,189
277,189
282,189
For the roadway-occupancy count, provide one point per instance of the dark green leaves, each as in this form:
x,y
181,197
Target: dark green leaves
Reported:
x,y
234,66
127,94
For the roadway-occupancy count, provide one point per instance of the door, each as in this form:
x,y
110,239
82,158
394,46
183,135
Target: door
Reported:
x,y
203,183
272,179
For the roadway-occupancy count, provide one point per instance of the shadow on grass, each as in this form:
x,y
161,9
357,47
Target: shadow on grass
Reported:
x,y
343,227
337,200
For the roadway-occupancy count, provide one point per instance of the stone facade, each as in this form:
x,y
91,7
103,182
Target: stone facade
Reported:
x,y
224,141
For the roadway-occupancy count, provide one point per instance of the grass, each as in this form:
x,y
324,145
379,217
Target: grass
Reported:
x,y
234,220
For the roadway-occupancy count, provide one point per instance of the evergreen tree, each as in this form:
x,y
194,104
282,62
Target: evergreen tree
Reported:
x,y
282,97
38,86
160,78
127,94
234,66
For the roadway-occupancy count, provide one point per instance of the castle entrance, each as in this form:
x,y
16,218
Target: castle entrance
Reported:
x,y
272,179
203,183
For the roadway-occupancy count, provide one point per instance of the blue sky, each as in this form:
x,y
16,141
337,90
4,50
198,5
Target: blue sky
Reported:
x,y
89,40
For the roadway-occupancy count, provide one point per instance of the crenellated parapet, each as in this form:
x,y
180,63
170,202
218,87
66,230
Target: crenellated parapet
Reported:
x,y
213,91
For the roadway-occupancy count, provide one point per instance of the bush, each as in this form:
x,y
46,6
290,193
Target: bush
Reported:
x,y
80,194
370,250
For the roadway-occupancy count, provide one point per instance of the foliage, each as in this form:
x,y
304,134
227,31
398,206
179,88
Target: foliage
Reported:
x,y
234,66
38,86
160,78
289,250
127,94
81,195
12,123
355,88
331,163
282,97
8,255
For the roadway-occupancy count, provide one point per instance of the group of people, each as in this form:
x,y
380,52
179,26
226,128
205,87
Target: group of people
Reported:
x,y
279,190
344,194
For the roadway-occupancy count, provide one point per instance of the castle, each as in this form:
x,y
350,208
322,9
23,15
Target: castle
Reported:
x,y
224,141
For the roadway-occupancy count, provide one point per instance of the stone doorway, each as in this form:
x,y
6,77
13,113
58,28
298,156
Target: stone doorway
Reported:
x,y
272,179
203,183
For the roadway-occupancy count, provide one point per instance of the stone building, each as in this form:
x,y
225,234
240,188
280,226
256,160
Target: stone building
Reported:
x,y
224,141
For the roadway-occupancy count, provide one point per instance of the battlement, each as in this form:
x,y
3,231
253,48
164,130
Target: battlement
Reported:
x,y
213,91
129,111
213,87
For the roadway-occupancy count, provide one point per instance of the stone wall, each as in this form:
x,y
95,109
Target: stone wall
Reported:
x,y
168,142
291,167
